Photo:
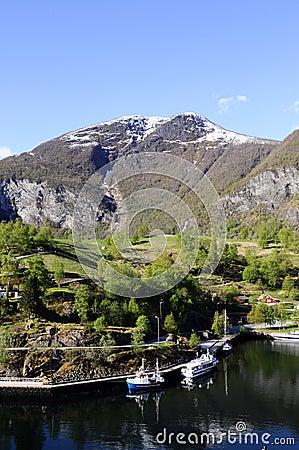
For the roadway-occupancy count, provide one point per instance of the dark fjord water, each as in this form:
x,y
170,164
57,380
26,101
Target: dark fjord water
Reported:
x,y
253,400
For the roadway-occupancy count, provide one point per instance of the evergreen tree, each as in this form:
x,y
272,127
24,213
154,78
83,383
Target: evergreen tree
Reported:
x,y
137,341
59,273
142,323
82,305
35,284
31,301
38,268
293,295
170,325
295,316
133,307
287,285
218,324
194,341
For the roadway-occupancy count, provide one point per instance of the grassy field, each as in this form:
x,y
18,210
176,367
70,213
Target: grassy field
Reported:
x,y
245,246
65,254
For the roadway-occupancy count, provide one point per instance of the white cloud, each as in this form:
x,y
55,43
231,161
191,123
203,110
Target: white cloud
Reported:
x,y
296,106
225,103
242,98
4,152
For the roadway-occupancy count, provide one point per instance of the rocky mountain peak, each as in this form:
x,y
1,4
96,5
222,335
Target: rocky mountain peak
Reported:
x,y
182,127
41,185
127,128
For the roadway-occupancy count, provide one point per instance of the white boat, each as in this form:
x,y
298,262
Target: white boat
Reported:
x,y
292,336
143,381
205,380
227,347
199,365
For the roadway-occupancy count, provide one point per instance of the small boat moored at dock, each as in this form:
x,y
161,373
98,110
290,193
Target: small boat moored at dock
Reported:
x,y
144,381
199,365
227,347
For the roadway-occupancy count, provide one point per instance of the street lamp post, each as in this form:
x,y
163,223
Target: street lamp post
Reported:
x,y
158,320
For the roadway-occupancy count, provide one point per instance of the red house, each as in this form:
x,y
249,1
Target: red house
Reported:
x,y
266,298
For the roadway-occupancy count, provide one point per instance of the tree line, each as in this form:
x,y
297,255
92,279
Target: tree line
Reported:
x,y
17,238
187,306
266,231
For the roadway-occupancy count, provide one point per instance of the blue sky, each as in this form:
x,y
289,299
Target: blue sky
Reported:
x,y
69,64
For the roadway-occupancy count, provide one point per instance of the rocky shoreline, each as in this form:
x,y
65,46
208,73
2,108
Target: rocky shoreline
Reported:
x,y
35,355
58,355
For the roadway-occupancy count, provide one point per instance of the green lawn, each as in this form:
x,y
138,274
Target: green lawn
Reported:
x,y
65,254
158,241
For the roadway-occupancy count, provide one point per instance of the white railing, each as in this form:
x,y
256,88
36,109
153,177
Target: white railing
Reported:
x,y
21,379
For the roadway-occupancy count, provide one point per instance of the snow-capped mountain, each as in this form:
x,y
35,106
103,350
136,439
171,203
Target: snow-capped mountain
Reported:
x,y
41,185
136,128
186,127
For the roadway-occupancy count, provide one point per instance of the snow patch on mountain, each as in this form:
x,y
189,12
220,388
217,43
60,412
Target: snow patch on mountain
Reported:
x,y
137,128
215,133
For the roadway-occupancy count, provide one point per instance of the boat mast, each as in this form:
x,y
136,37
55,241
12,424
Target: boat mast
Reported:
x,y
225,324
142,364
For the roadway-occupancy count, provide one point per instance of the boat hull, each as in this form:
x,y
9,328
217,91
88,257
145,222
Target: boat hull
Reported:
x,y
200,372
286,337
143,386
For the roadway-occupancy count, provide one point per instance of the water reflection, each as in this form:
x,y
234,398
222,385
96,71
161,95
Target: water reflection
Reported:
x,y
142,398
204,381
257,384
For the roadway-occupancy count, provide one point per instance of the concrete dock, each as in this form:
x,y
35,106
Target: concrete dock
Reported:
x,y
19,386
12,386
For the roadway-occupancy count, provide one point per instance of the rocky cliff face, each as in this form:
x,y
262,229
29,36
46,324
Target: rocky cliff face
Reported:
x,y
272,190
42,185
63,355
36,203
